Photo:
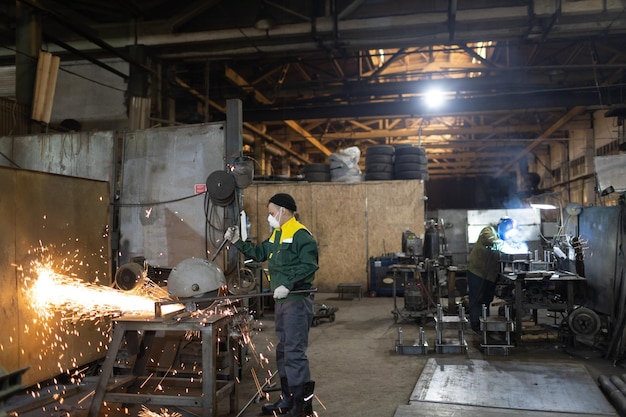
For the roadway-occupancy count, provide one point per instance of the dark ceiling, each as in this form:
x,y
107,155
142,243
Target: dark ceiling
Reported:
x,y
330,74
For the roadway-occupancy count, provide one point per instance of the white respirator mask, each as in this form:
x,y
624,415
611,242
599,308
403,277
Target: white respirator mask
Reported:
x,y
274,223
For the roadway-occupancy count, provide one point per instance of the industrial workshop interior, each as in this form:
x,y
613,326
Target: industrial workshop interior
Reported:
x,y
134,134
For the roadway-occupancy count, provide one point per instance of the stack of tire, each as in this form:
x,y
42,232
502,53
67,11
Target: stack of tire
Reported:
x,y
317,172
379,162
410,163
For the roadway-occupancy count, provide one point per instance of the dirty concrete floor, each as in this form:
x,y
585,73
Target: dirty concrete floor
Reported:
x,y
354,362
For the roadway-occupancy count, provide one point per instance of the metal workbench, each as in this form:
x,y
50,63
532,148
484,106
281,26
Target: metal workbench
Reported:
x,y
203,391
526,280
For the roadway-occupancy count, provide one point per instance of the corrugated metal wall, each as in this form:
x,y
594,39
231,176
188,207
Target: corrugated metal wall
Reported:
x,y
162,217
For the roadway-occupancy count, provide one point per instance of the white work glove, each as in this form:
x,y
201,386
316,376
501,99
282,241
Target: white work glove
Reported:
x,y
232,234
281,292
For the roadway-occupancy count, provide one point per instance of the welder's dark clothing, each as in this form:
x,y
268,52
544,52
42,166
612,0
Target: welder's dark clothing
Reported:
x,y
292,259
483,267
293,320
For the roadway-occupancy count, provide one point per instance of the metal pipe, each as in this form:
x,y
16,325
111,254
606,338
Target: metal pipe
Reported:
x,y
158,304
616,397
219,248
256,394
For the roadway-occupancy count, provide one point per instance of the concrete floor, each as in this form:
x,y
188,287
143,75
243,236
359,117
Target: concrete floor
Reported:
x,y
354,363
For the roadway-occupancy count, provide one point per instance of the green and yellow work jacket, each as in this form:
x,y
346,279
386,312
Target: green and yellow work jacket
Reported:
x,y
484,259
291,255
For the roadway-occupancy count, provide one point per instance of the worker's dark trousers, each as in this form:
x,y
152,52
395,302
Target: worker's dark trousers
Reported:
x,y
293,320
481,292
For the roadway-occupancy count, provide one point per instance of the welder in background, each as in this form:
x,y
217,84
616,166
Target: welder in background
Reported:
x,y
483,266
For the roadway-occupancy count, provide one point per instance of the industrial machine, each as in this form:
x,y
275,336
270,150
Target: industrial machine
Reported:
x,y
195,335
195,278
201,342
415,278
411,244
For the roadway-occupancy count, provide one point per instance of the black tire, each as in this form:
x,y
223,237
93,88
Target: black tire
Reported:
x,y
410,150
411,167
369,168
378,176
379,150
378,159
402,145
398,168
411,175
413,159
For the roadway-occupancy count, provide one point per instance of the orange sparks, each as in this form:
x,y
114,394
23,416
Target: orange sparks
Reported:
x,y
54,292
145,412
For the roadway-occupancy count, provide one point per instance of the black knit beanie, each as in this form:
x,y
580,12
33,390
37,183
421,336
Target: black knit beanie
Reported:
x,y
284,200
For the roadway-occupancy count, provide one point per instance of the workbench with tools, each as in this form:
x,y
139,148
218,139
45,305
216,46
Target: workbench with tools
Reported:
x,y
541,290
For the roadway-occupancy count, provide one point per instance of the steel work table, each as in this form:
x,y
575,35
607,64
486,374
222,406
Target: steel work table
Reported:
x,y
210,389
523,278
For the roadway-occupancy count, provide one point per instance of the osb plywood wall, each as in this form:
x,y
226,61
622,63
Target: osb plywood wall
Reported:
x,y
64,220
351,222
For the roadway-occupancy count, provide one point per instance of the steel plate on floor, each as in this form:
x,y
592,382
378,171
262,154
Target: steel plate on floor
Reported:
x,y
564,388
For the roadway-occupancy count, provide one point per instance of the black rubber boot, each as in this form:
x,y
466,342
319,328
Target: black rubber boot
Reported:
x,y
302,400
284,404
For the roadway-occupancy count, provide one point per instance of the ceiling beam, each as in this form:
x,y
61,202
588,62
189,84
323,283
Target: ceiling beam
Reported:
x,y
241,82
248,126
433,131
558,124
191,11
415,107
84,31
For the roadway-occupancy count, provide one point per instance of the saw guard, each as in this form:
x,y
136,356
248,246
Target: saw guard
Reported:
x,y
194,277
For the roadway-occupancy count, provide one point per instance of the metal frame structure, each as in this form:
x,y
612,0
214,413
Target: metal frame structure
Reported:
x,y
211,391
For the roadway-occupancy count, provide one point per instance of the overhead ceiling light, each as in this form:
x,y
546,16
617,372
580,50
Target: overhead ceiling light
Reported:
x,y
264,20
545,201
434,98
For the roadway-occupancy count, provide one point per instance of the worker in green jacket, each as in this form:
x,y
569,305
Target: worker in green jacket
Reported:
x,y
483,267
292,259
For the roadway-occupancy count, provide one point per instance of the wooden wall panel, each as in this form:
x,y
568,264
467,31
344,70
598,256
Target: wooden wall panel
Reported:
x,y
340,229
351,222
392,208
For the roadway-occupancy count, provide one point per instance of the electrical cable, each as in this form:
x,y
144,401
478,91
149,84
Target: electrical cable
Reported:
x,y
156,203
68,71
594,61
10,160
